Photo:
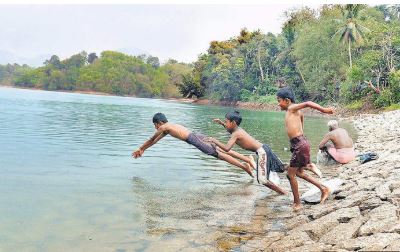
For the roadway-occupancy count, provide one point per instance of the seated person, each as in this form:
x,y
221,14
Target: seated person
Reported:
x,y
341,149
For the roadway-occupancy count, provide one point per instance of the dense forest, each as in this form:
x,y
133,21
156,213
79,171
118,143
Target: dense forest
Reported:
x,y
112,72
348,54
339,53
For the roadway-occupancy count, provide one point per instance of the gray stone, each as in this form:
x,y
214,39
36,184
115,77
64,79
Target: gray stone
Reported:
x,y
375,242
343,231
380,220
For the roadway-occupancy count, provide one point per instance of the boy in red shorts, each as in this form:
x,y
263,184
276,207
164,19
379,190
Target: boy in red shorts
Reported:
x,y
299,145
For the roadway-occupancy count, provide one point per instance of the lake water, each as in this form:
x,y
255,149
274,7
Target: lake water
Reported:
x,y
68,182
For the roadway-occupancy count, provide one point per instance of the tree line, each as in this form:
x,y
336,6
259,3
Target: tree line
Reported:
x,y
338,53
111,72
348,54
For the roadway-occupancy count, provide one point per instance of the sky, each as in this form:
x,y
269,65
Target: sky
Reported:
x,y
35,32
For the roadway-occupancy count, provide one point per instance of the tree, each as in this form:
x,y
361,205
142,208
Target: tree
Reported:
x,y
153,61
350,30
92,57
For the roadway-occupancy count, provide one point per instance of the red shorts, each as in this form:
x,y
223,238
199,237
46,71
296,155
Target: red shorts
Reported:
x,y
300,148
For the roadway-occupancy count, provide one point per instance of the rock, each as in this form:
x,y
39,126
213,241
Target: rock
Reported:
x,y
312,247
320,210
393,246
343,231
264,242
383,191
380,220
376,242
394,185
369,183
317,228
290,241
296,221
371,203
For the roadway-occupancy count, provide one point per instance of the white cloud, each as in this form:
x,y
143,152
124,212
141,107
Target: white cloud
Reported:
x,y
167,31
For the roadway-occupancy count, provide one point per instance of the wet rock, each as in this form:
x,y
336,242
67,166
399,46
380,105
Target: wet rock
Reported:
x,y
376,242
380,220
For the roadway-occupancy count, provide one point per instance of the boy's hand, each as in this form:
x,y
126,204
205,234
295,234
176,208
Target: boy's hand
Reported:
x,y
138,153
209,140
329,110
217,120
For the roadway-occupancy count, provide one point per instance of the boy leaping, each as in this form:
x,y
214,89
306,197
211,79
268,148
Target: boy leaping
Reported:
x,y
300,147
267,160
200,141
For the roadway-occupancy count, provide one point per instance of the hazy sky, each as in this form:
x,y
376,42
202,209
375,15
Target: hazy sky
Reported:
x,y
167,31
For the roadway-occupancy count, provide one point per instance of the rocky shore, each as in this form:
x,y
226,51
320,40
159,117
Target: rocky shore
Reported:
x,y
364,214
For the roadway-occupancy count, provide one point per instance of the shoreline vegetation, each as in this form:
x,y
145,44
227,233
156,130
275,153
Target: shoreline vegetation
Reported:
x,y
355,65
342,113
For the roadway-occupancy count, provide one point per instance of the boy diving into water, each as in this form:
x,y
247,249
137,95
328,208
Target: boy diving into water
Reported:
x,y
199,141
300,147
267,161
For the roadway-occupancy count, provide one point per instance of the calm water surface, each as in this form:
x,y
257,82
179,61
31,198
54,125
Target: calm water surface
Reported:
x,y
68,182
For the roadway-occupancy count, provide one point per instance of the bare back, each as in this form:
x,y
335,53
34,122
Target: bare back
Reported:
x,y
294,123
245,141
175,130
340,138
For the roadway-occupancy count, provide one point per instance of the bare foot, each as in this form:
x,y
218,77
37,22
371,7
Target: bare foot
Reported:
x,y
296,207
313,168
325,194
252,162
248,169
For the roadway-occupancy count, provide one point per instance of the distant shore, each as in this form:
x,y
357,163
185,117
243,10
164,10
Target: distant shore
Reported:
x,y
341,112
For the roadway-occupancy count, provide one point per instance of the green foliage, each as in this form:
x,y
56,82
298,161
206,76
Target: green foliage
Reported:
x,y
394,81
393,107
384,99
307,56
356,105
112,72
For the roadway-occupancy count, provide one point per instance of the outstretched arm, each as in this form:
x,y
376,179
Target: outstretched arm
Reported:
x,y
217,120
326,138
154,139
225,147
312,105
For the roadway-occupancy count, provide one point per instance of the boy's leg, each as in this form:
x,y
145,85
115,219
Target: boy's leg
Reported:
x,y
324,190
291,174
314,169
276,188
234,161
249,159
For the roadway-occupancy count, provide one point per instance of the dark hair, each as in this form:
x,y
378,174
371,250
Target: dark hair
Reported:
x,y
159,117
234,116
286,93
